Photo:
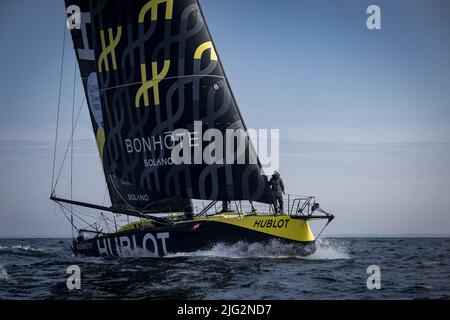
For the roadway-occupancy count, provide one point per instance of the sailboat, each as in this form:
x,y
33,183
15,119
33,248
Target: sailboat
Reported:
x,y
150,69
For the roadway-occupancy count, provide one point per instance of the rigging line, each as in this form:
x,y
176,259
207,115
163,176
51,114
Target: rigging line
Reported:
x,y
330,218
106,223
104,196
65,215
96,219
85,214
88,214
161,79
120,196
71,143
67,149
87,223
323,229
59,108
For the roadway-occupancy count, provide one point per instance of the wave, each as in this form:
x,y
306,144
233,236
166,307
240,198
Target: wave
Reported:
x,y
3,274
27,250
274,250
19,247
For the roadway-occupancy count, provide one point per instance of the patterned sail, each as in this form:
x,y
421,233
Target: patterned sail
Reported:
x,y
150,69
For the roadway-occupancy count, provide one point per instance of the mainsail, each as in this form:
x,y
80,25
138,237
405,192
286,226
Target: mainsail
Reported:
x,y
149,69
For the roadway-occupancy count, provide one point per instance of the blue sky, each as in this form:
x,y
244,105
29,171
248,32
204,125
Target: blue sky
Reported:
x,y
364,115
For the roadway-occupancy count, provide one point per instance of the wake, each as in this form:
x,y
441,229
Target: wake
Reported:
x,y
272,250
19,248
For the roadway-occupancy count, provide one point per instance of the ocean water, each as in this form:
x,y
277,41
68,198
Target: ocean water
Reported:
x,y
411,268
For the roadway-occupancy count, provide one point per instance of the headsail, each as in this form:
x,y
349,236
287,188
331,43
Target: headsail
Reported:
x,y
150,68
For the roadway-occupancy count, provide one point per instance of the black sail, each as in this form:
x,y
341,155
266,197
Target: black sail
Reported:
x,y
123,194
150,68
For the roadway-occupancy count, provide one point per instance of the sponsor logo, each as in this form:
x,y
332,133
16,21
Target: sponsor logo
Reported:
x,y
158,162
163,141
271,223
151,245
138,197
212,146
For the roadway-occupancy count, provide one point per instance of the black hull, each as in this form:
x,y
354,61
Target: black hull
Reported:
x,y
181,237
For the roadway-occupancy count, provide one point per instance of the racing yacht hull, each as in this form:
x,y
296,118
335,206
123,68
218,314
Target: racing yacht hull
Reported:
x,y
198,234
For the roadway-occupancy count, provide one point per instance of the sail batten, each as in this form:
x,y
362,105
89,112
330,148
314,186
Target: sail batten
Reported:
x,y
150,69
162,79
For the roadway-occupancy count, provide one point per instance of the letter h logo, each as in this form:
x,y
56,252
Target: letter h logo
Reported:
x,y
152,6
154,83
109,49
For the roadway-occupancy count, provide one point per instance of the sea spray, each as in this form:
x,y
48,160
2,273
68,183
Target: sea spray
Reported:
x,y
273,250
3,274
329,250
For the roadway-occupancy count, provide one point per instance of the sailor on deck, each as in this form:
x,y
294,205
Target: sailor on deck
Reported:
x,y
277,187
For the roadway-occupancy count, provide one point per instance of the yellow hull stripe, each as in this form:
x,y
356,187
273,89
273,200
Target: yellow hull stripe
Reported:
x,y
281,226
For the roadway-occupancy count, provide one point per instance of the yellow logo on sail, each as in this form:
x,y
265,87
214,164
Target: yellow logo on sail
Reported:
x,y
154,83
202,48
152,6
109,49
100,137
